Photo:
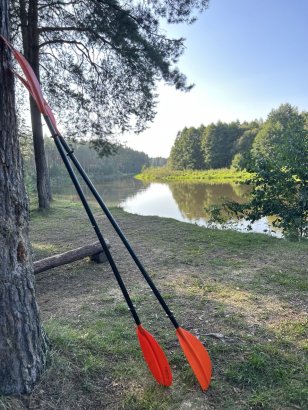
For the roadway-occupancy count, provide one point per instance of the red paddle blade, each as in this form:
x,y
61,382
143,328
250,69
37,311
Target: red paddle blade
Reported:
x,y
197,357
154,357
31,83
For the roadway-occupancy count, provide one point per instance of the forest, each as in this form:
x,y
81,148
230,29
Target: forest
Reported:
x,y
125,161
274,152
235,144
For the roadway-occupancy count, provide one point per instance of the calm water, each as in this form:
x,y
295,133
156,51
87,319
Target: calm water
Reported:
x,y
183,201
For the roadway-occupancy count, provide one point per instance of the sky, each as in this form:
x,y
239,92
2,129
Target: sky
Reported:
x,y
245,58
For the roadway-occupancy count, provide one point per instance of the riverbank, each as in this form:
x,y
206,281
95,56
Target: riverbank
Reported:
x,y
214,176
244,295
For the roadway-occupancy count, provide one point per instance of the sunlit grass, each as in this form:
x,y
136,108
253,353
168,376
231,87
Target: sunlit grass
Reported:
x,y
43,247
213,176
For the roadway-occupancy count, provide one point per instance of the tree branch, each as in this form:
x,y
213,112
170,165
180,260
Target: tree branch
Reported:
x,y
56,4
50,29
58,41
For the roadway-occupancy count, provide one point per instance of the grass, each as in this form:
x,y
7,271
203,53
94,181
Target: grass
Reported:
x,y
212,176
249,289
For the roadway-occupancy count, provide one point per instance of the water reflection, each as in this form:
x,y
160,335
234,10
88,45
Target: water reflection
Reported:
x,y
183,201
194,199
188,202
156,199
113,191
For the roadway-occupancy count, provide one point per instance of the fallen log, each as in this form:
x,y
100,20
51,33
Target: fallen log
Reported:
x,y
94,250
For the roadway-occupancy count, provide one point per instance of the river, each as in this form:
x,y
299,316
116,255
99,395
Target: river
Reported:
x,y
184,201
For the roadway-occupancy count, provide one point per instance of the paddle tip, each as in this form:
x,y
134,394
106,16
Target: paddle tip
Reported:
x,y
197,356
154,357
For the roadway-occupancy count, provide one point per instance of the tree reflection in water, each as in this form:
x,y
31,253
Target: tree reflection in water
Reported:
x,y
184,201
188,202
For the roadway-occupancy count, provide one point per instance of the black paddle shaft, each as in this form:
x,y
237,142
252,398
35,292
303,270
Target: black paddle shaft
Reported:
x,y
100,201
95,227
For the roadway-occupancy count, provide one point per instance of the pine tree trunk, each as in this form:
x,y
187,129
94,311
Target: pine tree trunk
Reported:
x,y
22,339
42,174
29,20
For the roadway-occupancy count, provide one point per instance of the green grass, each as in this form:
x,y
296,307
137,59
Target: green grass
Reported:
x,y
249,288
291,279
212,176
271,376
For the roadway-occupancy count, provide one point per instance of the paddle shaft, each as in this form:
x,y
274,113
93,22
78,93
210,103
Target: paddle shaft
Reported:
x,y
151,354
93,220
116,227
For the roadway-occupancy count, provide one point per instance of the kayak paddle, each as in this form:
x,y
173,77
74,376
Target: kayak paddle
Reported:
x,y
152,352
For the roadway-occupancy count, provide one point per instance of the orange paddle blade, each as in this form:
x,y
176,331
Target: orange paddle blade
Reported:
x,y
197,357
154,357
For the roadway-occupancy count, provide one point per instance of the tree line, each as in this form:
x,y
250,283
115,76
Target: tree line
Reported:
x,y
125,161
235,144
275,152
219,145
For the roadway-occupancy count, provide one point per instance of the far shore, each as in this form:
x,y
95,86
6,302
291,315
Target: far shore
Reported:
x,y
213,176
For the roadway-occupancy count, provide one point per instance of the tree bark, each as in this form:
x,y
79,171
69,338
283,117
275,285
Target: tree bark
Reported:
x,y
23,343
30,36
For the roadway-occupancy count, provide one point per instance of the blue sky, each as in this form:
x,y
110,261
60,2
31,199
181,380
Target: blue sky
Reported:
x,y
245,57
